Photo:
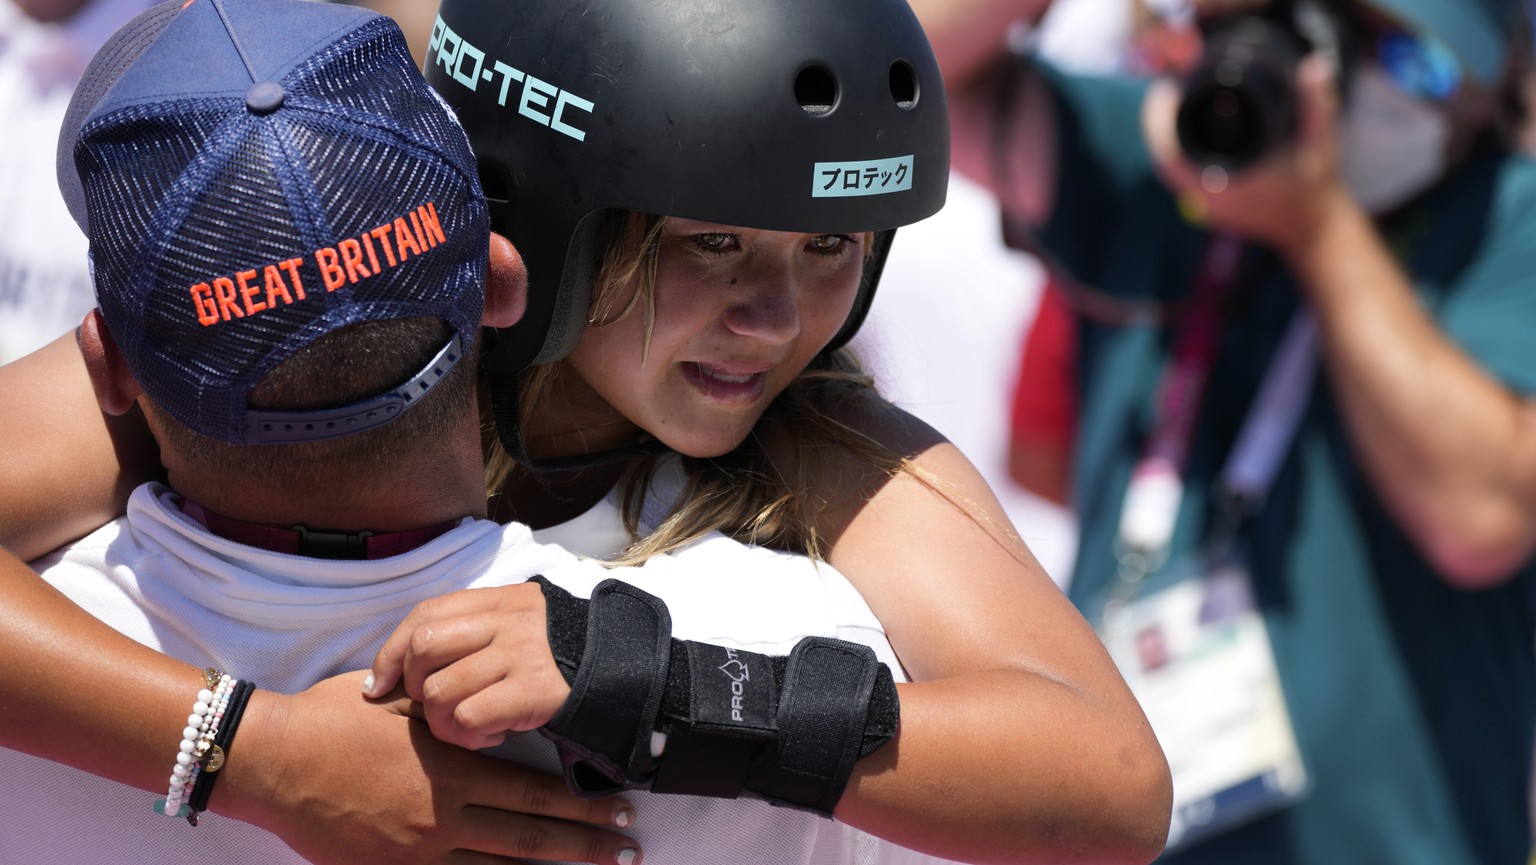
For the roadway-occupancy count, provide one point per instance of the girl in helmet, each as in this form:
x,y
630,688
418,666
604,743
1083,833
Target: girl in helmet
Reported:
x,y
697,255
823,131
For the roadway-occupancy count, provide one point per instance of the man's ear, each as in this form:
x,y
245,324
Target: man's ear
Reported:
x,y
506,285
116,388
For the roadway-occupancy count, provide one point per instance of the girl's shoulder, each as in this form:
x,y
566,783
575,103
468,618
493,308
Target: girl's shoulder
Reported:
x,y
864,422
863,444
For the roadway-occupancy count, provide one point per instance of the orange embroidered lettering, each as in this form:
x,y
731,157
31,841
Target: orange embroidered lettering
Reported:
x,y
224,289
330,271
421,239
268,286
373,260
276,288
381,234
404,239
352,257
292,265
202,299
245,277
434,229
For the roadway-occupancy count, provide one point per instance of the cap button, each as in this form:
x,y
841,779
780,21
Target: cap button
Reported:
x,y
264,97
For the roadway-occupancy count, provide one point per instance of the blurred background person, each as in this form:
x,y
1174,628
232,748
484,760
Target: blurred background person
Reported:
x,y
45,287
1300,378
946,340
975,337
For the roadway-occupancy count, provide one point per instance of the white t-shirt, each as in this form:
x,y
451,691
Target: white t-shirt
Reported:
x,y
285,622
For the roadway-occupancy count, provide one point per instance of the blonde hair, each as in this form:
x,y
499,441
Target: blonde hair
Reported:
x,y
745,493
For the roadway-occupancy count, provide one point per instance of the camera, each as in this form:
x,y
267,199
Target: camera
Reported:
x,y
1240,101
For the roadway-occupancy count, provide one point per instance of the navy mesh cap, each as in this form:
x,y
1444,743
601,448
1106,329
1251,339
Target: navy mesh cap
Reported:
x,y
255,174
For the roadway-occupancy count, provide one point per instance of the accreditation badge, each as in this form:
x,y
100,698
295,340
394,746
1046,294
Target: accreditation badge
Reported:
x,y
1194,649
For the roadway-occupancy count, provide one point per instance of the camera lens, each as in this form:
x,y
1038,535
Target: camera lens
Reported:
x,y
1222,125
1240,100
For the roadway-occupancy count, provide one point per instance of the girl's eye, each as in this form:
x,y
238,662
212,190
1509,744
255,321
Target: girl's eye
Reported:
x,y
831,244
715,242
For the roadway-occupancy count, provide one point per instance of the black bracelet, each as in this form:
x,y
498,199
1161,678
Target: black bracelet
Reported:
x,y
218,755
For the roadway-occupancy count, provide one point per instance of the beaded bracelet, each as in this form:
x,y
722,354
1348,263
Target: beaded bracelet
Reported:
x,y
203,752
196,739
222,733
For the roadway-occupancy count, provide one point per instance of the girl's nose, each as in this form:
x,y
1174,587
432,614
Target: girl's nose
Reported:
x,y
766,310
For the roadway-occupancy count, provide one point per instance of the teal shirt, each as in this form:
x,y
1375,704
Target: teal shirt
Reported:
x,y
1414,703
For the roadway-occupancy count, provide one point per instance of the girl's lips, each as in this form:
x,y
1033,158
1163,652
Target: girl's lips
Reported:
x,y
725,384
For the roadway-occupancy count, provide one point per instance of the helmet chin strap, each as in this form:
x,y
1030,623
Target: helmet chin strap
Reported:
x,y
505,402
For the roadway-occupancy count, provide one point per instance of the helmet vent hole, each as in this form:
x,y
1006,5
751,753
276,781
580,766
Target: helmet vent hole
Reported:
x,y
903,85
816,90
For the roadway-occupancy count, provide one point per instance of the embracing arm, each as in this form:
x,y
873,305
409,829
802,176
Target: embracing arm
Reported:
x,y
66,468
125,727
1019,740
60,479
1009,753
425,801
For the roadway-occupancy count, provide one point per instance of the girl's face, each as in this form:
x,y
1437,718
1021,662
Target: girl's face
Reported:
x,y
739,313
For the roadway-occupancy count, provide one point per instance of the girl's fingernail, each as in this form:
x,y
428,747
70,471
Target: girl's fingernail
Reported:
x,y
368,685
628,855
623,817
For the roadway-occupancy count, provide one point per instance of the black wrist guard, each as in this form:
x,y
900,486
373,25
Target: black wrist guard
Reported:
x,y
785,729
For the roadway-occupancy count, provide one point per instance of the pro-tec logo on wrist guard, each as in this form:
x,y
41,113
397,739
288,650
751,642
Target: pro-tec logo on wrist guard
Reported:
x,y
735,693
739,673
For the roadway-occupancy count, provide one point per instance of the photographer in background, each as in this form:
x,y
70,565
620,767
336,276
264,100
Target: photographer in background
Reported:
x,y
1305,472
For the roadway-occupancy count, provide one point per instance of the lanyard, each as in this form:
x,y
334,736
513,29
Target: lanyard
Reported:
x,y
1272,421
1156,487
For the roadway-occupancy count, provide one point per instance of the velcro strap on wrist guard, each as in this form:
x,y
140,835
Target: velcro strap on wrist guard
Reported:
x,y
838,705
617,670
788,730
718,715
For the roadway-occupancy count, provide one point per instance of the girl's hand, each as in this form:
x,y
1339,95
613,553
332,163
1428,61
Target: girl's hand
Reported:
x,y
478,661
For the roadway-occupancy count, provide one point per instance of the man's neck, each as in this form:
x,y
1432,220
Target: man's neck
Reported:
x,y
324,500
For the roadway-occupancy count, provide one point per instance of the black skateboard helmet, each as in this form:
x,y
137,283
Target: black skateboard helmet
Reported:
x,y
823,116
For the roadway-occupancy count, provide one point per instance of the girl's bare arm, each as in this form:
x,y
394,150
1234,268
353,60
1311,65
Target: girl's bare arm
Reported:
x,y
1019,739
66,468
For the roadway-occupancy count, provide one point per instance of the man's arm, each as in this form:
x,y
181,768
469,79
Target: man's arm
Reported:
x,y
65,470
1449,449
76,691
